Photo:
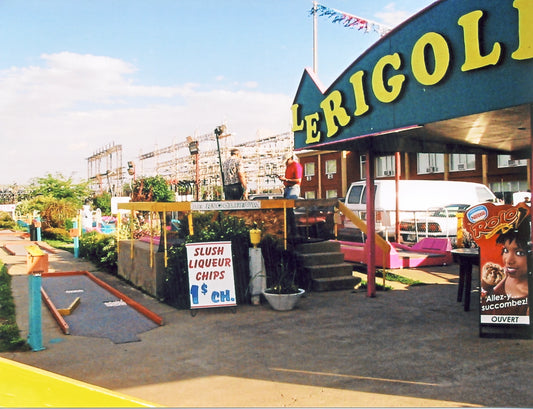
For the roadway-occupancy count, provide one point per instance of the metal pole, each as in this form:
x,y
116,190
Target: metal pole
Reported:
x,y
371,226
76,239
397,174
531,162
197,181
220,163
35,334
38,228
315,37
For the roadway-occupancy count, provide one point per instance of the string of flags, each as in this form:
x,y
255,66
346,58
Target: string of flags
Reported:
x,y
349,20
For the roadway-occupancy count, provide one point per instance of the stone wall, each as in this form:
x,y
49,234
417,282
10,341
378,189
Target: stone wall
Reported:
x,y
137,270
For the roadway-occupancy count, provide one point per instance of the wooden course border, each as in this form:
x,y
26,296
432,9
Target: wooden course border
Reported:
x,y
132,303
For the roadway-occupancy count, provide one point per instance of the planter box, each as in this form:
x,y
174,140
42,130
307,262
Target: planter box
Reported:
x,y
137,270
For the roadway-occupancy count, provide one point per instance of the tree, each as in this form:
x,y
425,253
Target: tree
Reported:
x,y
60,187
103,202
57,199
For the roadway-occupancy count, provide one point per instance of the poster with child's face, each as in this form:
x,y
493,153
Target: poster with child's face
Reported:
x,y
503,235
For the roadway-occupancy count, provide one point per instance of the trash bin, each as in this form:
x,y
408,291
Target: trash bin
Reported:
x,y
33,232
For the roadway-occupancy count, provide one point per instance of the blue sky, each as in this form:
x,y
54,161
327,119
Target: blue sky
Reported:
x,y
76,75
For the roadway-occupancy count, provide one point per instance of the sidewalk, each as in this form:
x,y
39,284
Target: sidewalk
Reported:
x,y
404,348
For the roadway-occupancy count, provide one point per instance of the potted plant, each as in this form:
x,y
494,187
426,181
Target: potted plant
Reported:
x,y
282,292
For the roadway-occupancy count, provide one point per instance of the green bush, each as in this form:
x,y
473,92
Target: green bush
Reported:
x,y
209,226
6,222
56,233
37,203
57,213
101,249
54,212
103,202
10,339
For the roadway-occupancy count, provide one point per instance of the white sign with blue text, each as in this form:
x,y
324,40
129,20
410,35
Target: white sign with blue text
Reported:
x,y
211,279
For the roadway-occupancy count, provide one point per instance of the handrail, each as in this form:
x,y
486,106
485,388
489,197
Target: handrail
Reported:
x,y
382,243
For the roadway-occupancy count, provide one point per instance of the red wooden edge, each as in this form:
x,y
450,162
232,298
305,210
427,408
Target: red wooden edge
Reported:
x,y
55,313
132,303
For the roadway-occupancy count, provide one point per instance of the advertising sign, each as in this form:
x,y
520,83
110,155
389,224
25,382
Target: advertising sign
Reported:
x,y
503,234
211,279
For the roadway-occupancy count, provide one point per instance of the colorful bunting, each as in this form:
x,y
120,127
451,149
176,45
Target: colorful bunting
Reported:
x,y
349,20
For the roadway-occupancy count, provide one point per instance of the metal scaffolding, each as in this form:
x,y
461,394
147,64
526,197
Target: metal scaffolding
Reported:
x,y
105,172
193,162
262,158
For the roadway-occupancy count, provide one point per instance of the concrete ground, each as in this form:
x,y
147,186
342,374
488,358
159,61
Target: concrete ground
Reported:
x,y
409,347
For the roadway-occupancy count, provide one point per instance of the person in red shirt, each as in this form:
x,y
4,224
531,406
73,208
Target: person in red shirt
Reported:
x,y
293,177
292,181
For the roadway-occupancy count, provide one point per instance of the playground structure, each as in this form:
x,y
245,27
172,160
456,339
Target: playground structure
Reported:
x,y
427,252
92,220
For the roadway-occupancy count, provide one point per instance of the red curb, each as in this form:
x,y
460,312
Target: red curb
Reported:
x,y
55,313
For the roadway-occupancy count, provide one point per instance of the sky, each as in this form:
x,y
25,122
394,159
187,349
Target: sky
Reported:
x,y
77,76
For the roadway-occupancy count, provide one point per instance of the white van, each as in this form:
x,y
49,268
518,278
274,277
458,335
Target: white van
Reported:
x,y
414,197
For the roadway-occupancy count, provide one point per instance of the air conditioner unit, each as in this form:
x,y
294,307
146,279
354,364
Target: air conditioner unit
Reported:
x,y
308,178
512,162
330,175
461,166
431,169
388,173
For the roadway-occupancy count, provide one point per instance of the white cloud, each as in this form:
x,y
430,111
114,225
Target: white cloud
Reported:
x,y
392,17
57,115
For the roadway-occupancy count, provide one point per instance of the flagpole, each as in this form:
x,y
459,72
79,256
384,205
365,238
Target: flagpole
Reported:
x,y
315,38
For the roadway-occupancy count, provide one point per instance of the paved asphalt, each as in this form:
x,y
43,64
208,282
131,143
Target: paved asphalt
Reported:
x,y
409,347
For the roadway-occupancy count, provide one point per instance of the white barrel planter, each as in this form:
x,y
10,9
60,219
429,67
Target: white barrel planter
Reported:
x,y
283,302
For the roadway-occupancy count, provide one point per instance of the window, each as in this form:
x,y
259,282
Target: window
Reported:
x,y
462,161
505,161
510,186
430,163
357,195
309,169
331,194
362,161
310,195
331,167
385,166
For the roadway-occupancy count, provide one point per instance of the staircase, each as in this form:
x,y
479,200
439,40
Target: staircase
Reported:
x,y
323,263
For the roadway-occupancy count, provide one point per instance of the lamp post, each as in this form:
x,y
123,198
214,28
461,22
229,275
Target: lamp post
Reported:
x,y
219,133
194,150
131,169
131,172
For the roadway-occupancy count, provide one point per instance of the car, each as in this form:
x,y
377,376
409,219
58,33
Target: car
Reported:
x,y
265,196
414,197
441,222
